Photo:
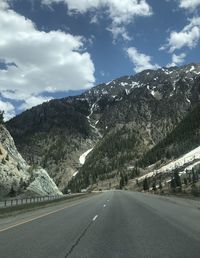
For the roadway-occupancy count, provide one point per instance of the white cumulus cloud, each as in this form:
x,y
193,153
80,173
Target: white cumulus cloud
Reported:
x,y
140,60
8,108
189,4
34,101
119,31
188,37
177,59
40,61
120,12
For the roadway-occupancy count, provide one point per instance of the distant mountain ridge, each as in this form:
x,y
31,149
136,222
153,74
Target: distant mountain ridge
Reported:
x,y
145,107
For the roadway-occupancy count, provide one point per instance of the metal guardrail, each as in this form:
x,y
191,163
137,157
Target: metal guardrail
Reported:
x,y
20,201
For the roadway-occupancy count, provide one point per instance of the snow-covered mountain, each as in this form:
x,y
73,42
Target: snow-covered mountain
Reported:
x,y
143,108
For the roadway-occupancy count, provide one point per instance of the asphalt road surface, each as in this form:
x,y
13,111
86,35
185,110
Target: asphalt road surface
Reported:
x,y
112,224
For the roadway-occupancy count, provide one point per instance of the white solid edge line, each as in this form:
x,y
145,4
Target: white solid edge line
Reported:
x,y
39,216
95,217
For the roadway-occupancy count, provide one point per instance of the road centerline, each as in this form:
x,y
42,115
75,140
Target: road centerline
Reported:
x,y
95,217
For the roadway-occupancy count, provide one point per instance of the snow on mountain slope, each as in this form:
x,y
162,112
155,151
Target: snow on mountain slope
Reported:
x,y
84,155
188,161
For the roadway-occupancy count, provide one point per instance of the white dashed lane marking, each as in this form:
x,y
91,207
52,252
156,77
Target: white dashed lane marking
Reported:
x,y
95,217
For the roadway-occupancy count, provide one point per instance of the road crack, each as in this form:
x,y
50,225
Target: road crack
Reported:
x,y
79,239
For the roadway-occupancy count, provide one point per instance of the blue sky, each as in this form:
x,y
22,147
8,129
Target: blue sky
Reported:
x,y
54,48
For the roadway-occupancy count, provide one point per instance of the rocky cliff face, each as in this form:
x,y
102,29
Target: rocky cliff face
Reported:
x,y
145,108
16,177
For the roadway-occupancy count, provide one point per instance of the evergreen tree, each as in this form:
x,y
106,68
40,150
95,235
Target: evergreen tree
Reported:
x,y
194,180
177,178
189,177
12,192
121,182
154,186
145,185
126,179
1,117
185,181
160,185
173,184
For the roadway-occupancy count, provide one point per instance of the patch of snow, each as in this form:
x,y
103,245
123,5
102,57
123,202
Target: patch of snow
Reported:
x,y
75,173
124,84
168,72
192,68
83,156
190,167
83,99
188,100
135,84
127,91
188,157
89,120
108,82
93,126
119,99
174,85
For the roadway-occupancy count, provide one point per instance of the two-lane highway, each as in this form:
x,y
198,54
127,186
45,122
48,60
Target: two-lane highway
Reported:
x,y
111,224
